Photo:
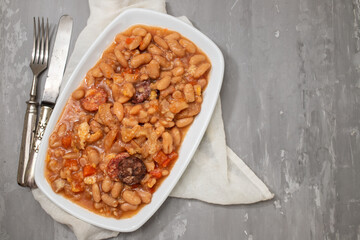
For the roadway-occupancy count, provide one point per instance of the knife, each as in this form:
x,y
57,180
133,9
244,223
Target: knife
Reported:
x,y
51,91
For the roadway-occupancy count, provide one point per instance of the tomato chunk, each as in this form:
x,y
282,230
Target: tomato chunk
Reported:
x,y
156,173
66,141
160,157
129,40
88,170
172,156
166,162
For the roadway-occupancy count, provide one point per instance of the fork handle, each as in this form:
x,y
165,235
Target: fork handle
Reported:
x,y
40,129
27,139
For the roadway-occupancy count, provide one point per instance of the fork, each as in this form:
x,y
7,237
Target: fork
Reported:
x,y
39,62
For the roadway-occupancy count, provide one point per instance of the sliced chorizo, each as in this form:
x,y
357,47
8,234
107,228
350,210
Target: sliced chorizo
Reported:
x,y
93,99
128,169
131,170
142,92
112,167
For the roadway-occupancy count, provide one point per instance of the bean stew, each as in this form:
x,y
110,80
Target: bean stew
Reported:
x,y
121,130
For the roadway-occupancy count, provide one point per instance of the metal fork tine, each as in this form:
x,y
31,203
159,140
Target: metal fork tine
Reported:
x,y
46,42
34,43
37,55
42,42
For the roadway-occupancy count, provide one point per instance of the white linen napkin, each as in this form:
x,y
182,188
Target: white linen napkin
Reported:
x,y
215,174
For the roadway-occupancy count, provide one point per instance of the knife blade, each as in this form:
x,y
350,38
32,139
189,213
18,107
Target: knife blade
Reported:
x,y
51,90
58,60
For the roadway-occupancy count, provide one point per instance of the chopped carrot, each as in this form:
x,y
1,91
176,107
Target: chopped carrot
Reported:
x,y
170,157
88,170
160,157
66,141
173,156
156,173
166,162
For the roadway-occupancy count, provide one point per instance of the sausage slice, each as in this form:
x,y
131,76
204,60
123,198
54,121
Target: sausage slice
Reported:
x,y
113,165
128,169
93,99
142,92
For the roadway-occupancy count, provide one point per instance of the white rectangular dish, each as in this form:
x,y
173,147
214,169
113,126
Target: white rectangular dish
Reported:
x,y
193,137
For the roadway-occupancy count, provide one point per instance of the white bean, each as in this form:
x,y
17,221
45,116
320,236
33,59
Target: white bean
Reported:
x,y
96,192
128,207
107,199
140,59
189,46
139,31
163,83
189,93
161,42
131,197
115,191
184,122
146,41
145,196
167,143
106,184
196,59
201,70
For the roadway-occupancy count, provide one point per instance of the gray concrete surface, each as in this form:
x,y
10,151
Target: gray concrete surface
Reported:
x,y
290,105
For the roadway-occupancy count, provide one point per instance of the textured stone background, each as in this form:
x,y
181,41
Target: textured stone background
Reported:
x,y
290,105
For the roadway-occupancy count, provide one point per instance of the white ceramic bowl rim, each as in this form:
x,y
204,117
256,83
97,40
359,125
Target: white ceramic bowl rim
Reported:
x,y
122,22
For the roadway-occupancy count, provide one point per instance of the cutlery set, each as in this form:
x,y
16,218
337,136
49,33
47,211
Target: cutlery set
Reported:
x,y
34,126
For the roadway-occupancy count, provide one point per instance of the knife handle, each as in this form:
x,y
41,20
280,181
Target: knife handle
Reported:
x,y
40,129
27,140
